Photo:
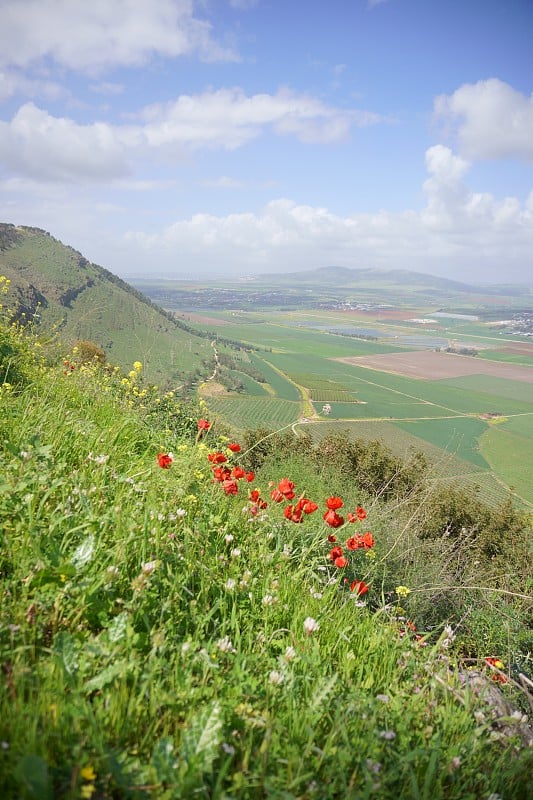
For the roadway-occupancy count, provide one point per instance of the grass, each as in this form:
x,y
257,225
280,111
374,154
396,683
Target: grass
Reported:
x,y
159,642
507,453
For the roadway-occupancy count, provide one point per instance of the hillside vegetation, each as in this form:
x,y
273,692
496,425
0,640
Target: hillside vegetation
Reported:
x,y
54,286
186,615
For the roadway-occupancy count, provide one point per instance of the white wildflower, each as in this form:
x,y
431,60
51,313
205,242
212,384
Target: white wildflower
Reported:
x,y
148,567
310,625
230,584
276,678
225,645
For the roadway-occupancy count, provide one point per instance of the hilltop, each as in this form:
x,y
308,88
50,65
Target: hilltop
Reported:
x,y
56,287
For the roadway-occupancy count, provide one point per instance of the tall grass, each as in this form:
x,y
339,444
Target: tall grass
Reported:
x,y
159,641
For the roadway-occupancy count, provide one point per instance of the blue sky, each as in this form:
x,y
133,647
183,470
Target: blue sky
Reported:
x,y
197,138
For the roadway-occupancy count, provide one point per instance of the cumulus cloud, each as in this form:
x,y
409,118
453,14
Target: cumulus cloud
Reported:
x,y
13,82
38,144
490,120
44,147
96,35
458,233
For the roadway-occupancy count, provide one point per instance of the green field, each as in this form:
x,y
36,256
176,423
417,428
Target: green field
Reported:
x,y
442,418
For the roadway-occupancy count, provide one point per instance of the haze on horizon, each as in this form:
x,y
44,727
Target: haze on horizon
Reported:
x,y
194,138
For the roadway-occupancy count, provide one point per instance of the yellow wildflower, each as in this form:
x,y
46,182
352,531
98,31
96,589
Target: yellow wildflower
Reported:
x,y
88,773
402,591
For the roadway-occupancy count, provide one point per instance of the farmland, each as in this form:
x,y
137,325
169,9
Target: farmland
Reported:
x,y
380,371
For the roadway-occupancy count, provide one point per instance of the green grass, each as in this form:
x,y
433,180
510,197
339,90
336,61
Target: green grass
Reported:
x,y
156,641
459,436
242,412
283,388
509,454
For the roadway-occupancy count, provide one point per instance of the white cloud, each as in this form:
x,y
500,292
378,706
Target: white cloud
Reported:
x,y
92,35
13,83
49,148
490,119
37,144
459,233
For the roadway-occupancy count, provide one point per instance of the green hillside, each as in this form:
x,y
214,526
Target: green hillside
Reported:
x,y
55,287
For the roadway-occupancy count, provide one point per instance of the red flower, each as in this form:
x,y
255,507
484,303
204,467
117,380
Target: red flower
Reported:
x,y
221,473
254,495
335,553
277,496
285,486
341,562
165,460
358,515
216,458
359,587
333,503
238,472
250,476
332,537
333,519
368,540
307,506
203,425
293,513
354,542
230,486
235,448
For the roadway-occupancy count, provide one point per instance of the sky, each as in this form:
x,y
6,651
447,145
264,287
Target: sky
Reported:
x,y
225,138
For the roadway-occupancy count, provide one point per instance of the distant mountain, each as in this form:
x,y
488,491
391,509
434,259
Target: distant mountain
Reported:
x,y
56,287
346,278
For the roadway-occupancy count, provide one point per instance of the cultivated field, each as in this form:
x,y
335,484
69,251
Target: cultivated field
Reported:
x,y
436,366
439,403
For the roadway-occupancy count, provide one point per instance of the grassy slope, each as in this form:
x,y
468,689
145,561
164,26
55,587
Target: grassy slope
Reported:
x,y
153,638
104,310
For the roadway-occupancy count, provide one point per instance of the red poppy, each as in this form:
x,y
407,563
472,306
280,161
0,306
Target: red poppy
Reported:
x,y
230,486
332,537
203,425
354,542
368,540
286,487
250,476
234,447
332,519
293,513
333,503
359,587
254,495
165,460
277,496
307,506
221,473
341,562
357,515
336,552
238,472
216,458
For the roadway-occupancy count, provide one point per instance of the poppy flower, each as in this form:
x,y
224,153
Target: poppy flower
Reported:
x,y
221,474
286,487
254,495
203,425
250,476
359,587
234,447
341,562
230,486
333,503
368,540
165,460
335,553
277,496
354,542
238,472
293,513
307,506
332,537
216,458
333,519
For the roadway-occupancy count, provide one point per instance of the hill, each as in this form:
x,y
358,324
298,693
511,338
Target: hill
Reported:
x,y
416,281
55,286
